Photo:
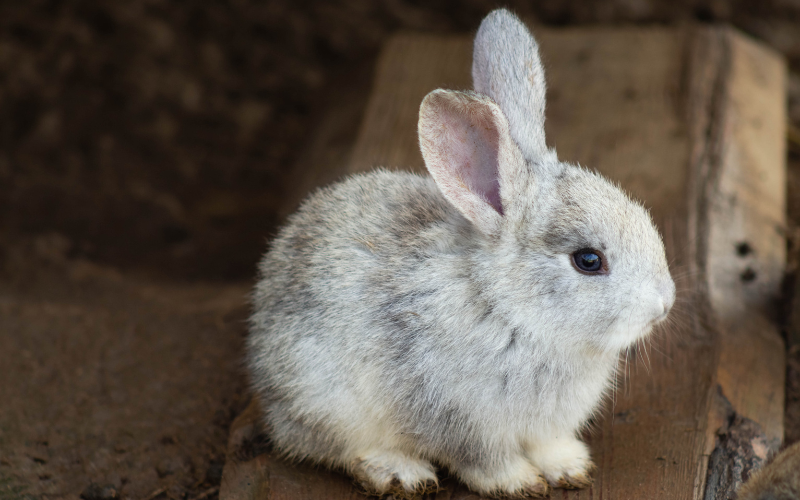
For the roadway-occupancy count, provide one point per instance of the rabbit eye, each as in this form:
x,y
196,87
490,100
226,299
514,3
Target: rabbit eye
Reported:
x,y
589,261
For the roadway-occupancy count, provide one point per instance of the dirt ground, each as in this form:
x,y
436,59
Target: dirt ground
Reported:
x,y
146,152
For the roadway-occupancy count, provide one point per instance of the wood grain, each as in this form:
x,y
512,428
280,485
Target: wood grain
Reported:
x,y
690,122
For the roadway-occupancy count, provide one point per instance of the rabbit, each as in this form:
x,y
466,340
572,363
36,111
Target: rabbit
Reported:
x,y
471,320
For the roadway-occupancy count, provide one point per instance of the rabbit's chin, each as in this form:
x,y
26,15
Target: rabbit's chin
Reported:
x,y
620,340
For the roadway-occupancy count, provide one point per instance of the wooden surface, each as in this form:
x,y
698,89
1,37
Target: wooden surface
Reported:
x,y
747,207
690,122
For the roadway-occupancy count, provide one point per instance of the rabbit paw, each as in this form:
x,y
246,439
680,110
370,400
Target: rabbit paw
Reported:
x,y
390,472
517,479
564,463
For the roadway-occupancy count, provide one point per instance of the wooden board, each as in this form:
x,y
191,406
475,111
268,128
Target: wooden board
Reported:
x,y
690,121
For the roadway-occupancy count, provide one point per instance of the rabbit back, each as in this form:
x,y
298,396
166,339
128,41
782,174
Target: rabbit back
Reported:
x,y
317,339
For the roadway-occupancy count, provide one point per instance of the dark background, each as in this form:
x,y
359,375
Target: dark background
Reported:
x,y
156,141
158,135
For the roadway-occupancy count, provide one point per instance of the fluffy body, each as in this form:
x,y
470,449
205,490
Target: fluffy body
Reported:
x,y
403,321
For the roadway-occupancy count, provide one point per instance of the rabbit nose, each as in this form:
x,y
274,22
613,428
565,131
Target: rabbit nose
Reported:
x,y
667,292
664,310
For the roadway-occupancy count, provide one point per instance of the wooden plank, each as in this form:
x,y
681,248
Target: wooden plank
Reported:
x,y
741,214
690,122
746,224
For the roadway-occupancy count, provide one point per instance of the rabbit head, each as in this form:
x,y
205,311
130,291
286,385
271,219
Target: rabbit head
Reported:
x,y
562,248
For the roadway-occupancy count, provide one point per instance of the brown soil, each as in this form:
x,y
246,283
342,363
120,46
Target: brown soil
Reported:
x,y
111,380
146,150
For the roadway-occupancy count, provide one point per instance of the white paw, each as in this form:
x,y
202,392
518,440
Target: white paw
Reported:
x,y
515,478
564,462
381,472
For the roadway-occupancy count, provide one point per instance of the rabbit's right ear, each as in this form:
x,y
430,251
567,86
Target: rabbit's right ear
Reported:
x,y
469,151
506,67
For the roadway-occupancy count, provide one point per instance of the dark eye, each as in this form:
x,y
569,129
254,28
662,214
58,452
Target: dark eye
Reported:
x,y
589,261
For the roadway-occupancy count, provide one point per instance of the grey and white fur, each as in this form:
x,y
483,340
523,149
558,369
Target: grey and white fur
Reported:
x,y
403,321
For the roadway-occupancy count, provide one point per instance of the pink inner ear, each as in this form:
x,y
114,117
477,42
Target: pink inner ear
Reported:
x,y
473,154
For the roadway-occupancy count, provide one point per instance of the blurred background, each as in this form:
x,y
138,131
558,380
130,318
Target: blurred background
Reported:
x,y
149,141
160,135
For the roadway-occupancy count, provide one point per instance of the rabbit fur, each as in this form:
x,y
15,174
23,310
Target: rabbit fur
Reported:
x,y
402,321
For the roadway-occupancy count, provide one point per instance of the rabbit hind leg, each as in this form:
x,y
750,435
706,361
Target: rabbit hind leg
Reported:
x,y
391,472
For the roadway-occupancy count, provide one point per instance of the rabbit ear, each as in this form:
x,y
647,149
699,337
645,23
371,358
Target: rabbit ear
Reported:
x,y
507,68
468,150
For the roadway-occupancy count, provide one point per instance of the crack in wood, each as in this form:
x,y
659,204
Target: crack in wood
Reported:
x,y
742,448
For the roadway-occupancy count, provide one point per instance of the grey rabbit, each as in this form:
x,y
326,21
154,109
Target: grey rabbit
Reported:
x,y
472,319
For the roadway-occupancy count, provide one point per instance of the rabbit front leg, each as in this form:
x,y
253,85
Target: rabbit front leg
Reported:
x,y
564,461
510,476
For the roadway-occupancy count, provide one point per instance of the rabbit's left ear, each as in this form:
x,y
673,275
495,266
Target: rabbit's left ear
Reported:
x,y
470,154
506,67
